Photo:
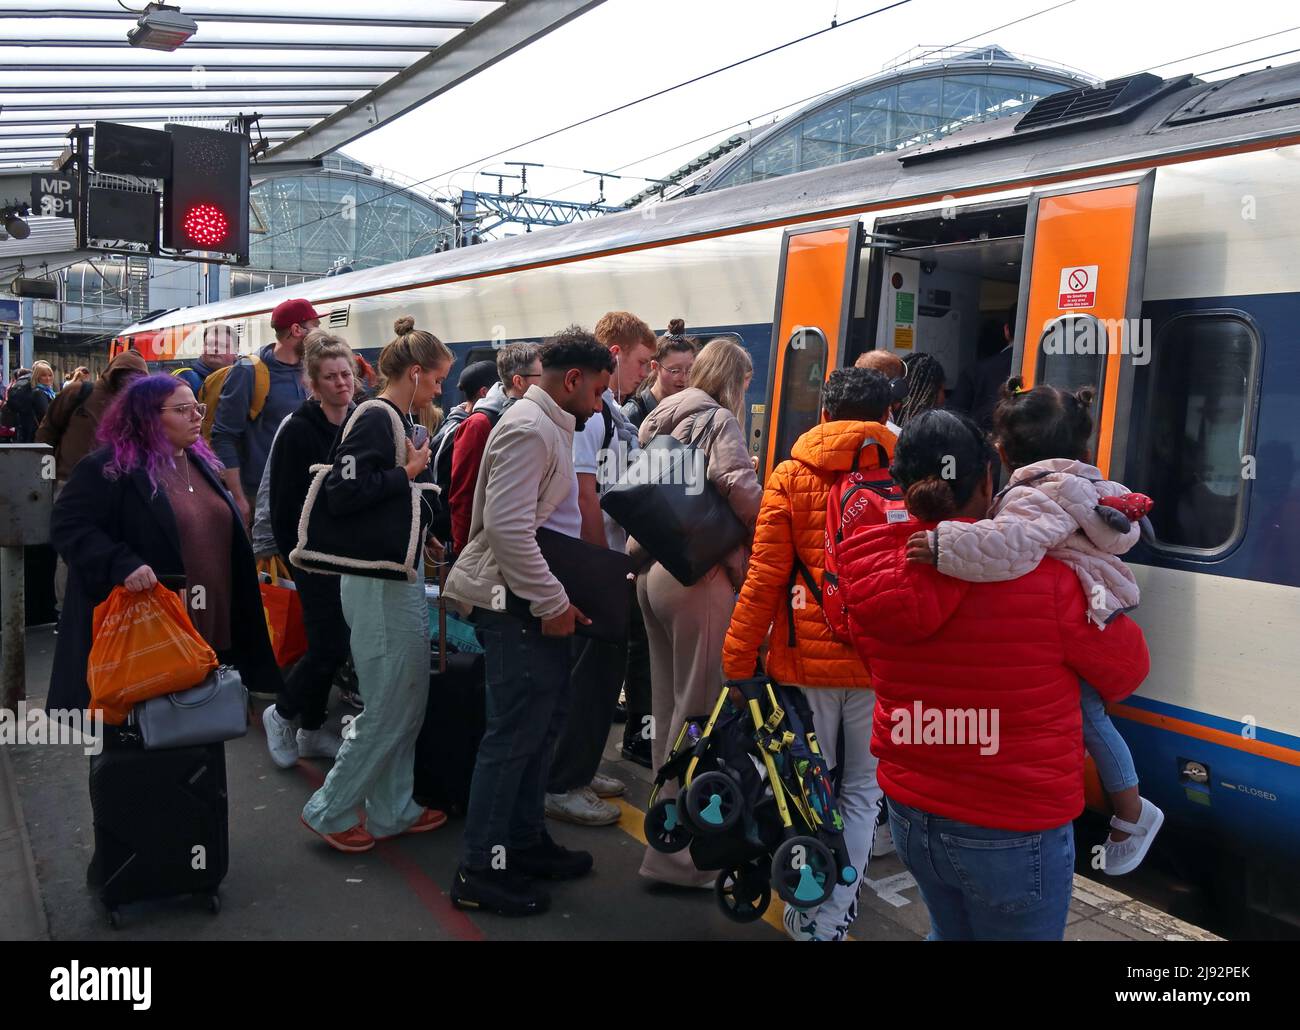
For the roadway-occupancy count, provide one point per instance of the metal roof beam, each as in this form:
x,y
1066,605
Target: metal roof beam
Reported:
x,y
345,21
280,87
211,66
299,122
241,44
507,29
144,104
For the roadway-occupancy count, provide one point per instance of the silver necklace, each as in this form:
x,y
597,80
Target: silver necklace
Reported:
x,y
188,485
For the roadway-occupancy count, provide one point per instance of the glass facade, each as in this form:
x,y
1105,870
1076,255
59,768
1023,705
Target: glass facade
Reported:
x,y
303,224
887,115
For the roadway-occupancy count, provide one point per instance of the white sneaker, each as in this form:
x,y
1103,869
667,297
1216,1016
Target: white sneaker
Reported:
x,y
279,738
1126,855
882,843
798,926
581,806
607,787
321,743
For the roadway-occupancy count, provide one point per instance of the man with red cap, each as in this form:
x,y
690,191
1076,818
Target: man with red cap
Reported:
x,y
254,401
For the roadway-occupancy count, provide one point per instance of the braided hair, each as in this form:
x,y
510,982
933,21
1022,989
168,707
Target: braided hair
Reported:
x,y
924,382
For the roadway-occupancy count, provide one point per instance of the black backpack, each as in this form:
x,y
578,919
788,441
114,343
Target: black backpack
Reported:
x,y
441,525
18,402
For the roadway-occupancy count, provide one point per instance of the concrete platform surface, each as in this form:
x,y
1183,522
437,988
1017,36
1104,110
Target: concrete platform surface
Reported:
x,y
286,884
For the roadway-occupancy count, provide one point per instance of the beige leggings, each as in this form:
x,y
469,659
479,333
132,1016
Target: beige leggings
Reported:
x,y
685,627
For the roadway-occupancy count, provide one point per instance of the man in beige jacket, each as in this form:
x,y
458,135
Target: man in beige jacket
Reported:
x,y
526,481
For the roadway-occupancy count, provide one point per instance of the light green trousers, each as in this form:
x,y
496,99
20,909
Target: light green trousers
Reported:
x,y
389,620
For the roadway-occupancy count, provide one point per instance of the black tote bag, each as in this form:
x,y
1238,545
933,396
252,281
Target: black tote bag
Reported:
x,y
664,499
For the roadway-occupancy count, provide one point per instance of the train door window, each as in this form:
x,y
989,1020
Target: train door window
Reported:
x,y
1199,425
1071,355
801,387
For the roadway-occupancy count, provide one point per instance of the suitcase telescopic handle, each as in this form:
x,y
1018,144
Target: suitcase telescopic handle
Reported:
x,y
442,618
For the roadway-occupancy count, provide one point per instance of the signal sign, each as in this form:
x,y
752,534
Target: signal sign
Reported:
x,y
206,200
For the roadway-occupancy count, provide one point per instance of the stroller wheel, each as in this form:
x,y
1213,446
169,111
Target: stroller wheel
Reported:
x,y
804,872
714,802
743,893
663,827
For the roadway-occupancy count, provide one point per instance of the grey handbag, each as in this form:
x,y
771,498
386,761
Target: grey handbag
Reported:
x,y
214,711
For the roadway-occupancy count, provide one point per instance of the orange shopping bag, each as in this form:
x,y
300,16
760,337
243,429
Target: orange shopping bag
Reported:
x,y
145,646
283,610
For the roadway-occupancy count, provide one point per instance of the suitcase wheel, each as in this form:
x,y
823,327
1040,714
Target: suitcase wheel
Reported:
x,y
114,919
214,903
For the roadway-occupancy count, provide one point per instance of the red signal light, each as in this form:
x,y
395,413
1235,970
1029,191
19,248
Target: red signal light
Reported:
x,y
206,225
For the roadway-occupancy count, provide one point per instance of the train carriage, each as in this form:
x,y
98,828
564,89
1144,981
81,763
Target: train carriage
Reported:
x,y
1145,230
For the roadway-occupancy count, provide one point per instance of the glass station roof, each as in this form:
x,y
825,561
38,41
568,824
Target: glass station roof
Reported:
x,y
293,62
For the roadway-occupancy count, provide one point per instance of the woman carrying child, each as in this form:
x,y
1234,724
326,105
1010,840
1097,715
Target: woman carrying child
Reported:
x,y
1056,505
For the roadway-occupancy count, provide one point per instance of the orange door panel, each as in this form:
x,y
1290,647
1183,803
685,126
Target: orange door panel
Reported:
x,y
1081,297
809,329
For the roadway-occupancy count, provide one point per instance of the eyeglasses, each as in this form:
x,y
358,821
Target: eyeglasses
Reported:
x,y
677,372
187,410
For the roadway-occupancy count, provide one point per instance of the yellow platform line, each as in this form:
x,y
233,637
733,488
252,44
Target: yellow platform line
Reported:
x,y
631,821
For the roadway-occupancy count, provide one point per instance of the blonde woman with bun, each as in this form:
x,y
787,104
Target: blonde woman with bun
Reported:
x,y
686,625
378,495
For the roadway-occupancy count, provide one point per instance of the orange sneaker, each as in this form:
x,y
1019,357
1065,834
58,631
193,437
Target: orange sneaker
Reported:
x,y
430,819
351,840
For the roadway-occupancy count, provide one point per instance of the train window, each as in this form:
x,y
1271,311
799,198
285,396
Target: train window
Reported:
x,y
1071,355
803,370
1198,427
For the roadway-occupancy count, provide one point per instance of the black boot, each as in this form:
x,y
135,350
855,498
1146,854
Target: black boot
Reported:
x,y
503,891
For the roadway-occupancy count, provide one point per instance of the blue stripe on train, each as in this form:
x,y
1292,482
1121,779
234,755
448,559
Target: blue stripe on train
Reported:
x,y
1215,722
1249,803
757,339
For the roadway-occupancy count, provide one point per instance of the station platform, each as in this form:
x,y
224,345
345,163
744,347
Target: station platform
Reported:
x,y
286,884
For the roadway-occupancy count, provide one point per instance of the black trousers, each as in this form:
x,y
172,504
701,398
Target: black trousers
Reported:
x,y
307,686
637,686
595,681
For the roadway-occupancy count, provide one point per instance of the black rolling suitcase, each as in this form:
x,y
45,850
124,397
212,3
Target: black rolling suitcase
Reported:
x,y
447,746
161,823
454,720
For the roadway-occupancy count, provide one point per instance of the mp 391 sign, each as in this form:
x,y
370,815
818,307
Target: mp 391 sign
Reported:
x,y
54,195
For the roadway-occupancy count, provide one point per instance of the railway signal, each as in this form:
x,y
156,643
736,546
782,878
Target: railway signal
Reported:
x,y
205,201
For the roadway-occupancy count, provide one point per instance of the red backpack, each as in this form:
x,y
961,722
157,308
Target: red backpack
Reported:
x,y
858,498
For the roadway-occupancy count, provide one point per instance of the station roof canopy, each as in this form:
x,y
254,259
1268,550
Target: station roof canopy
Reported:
x,y
320,73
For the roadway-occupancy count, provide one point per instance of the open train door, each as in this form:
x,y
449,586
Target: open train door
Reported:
x,y
1079,318
810,330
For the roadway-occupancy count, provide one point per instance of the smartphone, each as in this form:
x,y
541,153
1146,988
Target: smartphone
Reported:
x,y
419,435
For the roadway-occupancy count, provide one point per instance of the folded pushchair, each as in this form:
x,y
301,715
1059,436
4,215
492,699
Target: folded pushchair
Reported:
x,y
754,802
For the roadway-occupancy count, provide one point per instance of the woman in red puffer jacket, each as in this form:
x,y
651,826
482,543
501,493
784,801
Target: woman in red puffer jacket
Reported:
x,y
977,724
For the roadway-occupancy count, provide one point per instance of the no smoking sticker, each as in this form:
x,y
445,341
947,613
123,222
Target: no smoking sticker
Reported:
x,y
1078,287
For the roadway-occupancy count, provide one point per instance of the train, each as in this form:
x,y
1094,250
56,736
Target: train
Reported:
x,y
1146,232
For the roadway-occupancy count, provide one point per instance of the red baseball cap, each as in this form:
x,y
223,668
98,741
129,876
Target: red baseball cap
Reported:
x,y
291,312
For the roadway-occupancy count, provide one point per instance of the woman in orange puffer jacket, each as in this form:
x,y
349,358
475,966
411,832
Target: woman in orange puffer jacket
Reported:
x,y
801,650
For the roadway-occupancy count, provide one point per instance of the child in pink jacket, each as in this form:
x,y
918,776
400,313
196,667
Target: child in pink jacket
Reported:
x,y
1057,505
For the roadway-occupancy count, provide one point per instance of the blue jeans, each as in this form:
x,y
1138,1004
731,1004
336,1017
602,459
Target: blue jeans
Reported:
x,y
1108,749
527,697
982,884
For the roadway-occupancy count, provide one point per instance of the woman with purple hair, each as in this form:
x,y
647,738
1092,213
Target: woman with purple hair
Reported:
x,y
149,506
